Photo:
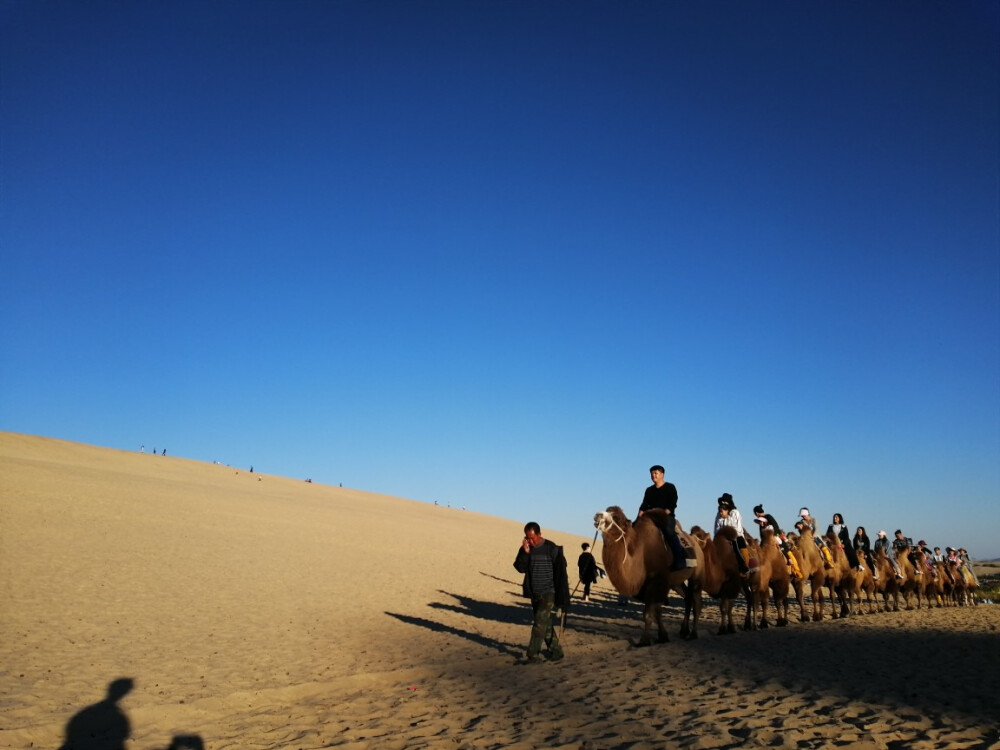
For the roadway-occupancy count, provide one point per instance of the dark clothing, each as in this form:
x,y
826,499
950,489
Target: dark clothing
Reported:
x,y
587,566
769,522
864,545
544,571
547,585
664,497
542,630
845,540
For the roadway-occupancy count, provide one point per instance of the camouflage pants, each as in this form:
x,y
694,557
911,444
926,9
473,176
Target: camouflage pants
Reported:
x,y
542,630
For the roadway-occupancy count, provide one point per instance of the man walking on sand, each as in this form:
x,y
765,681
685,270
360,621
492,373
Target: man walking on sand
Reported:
x,y
547,585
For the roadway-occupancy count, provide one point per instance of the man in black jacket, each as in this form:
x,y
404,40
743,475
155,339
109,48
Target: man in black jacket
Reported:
x,y
663,495
547,585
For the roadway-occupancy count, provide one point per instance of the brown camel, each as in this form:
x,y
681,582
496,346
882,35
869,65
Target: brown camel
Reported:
x,y
908,586
638,565
928,587
971,585
866,587
721,576
946,583
842,581
966,583
769,576
811,564
887,584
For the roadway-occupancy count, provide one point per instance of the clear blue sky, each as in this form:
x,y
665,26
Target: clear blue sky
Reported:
x,y
507,255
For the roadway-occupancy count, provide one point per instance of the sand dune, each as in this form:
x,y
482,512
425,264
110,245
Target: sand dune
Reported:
x,y
255,611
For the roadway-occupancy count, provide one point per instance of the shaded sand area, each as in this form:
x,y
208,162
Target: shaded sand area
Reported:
x,y
255,611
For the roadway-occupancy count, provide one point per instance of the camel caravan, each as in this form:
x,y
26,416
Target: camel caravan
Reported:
x,y
847,577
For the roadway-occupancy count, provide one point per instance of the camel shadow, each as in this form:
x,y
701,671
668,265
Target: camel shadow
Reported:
x,y
497,578
105,725
484,610
601,616
501,647
842,657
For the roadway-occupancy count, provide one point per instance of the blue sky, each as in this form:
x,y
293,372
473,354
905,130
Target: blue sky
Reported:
x,y
507,255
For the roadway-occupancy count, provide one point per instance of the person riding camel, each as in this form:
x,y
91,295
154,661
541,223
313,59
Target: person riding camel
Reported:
x,y
862,544
838,529
904,543
728,515
663,495
806,519
767,521
882,543
963,557
928,557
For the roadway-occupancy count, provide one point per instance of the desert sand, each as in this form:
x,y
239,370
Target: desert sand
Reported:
x,y
254,611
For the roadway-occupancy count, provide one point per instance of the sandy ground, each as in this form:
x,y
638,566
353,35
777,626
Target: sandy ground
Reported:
x,y
254,611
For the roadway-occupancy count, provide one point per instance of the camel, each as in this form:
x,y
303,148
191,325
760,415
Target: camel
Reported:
x,y
928,587
842,581
946,583
866,586
971,585
811,564
887,584
721,577
908,586
638,565
965,584
770,576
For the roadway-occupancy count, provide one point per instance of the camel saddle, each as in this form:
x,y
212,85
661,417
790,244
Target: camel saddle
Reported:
x,y
691,560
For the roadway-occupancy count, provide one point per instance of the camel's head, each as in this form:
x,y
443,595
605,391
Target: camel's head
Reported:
x,y
609,519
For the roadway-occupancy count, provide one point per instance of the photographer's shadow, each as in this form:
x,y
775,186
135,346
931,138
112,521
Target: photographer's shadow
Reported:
x,y
102,726
105,726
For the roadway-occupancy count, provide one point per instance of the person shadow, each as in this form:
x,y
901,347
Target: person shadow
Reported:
x,y
105,726
102,726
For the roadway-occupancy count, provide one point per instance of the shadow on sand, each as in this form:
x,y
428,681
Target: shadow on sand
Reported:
x,y
507,649
845,659
105,726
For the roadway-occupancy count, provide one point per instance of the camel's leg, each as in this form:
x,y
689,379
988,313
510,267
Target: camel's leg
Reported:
x,y
800,597
648,620
762,601
686,622
693,604
661,631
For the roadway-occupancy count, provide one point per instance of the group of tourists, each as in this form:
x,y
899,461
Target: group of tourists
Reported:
x,y
855,548
544,565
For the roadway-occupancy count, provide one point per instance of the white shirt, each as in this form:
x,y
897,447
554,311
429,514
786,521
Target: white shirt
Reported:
x,y
734,519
